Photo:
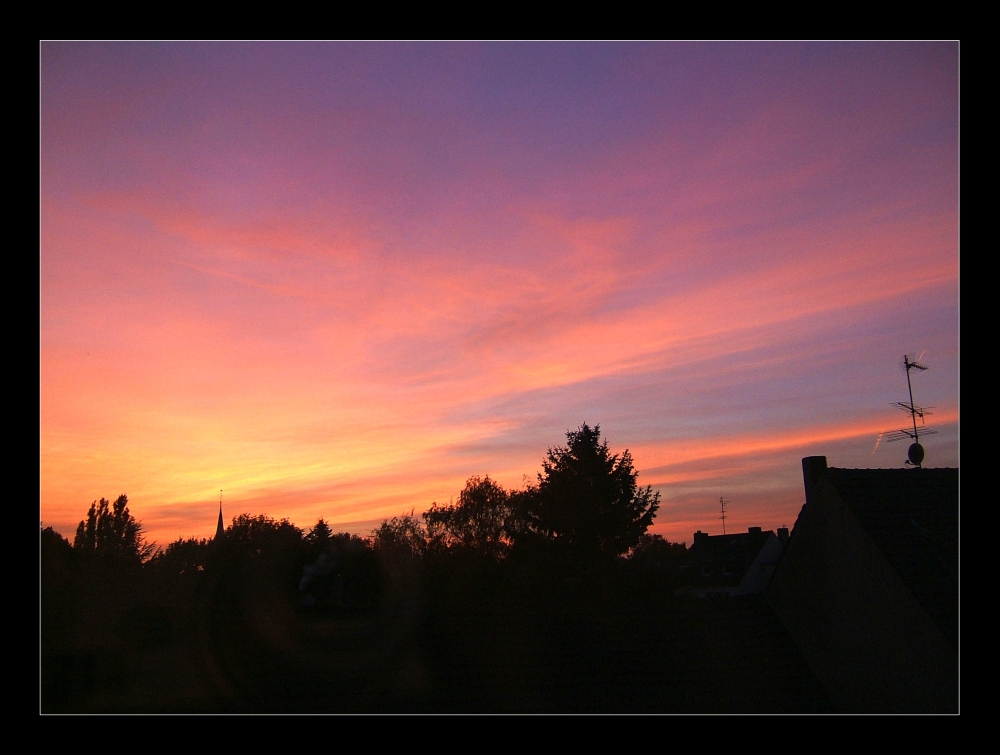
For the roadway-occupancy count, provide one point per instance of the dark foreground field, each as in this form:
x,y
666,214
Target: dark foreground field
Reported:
x,y
447,634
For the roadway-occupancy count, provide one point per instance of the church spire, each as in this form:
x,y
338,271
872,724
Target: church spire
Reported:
x,y
220,530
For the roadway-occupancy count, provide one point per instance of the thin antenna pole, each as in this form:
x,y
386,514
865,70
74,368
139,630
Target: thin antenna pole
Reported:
x,y
915,454
913,410
722,503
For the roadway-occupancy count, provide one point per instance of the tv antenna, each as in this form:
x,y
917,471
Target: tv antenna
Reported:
x,y
915,454
722,504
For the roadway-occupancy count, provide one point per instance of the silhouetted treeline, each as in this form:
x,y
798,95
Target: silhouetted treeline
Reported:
x,y
549,598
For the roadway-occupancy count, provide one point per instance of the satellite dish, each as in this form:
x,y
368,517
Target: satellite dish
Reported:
x,y
915,454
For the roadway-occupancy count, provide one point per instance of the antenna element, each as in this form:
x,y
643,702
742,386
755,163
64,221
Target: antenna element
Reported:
x,y
915,453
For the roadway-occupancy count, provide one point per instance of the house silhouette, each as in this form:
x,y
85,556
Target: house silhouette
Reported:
x,y
730,565
868,586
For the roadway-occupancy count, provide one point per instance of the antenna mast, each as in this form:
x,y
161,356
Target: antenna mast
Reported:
x,y
722,503
913,411
915,454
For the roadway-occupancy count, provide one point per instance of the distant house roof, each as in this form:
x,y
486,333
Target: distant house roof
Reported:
x,y
724,563
912,516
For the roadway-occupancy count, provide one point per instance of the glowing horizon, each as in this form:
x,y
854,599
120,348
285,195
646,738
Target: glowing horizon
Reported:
x,y
337,280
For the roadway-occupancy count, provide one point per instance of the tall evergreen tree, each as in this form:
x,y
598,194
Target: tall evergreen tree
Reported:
x,y
588,497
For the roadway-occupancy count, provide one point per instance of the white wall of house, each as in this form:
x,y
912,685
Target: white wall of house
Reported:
x,y
759,574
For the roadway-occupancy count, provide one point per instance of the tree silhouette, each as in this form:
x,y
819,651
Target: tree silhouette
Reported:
x,y
260,529
182,557
401,534
54,547
265,539
654,552
480,520
343,577
587,497
318,539
320,534
111,532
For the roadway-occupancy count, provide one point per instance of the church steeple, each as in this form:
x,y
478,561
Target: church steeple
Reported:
x,y
220,530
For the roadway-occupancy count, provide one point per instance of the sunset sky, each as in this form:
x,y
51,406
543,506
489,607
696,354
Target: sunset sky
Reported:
x,y
336,280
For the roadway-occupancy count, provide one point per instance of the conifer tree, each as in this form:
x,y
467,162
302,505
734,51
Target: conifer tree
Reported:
x,y
589,498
